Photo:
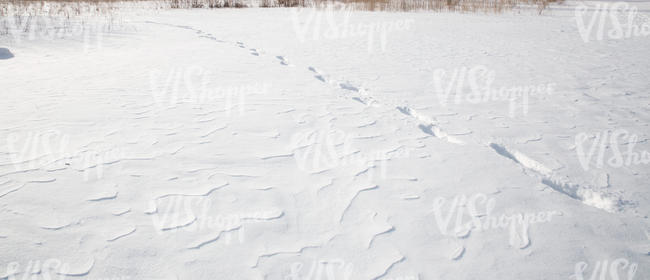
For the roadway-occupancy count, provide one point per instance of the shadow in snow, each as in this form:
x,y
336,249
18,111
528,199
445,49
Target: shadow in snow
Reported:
x,y
5,53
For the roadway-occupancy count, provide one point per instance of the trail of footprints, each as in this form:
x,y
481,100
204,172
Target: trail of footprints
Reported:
x,y
585,194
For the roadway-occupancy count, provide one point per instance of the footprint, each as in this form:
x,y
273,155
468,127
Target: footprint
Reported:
x,y
283,60
349,86
318,74
254,52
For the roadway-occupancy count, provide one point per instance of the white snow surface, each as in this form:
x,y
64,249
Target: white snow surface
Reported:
x,y
252,144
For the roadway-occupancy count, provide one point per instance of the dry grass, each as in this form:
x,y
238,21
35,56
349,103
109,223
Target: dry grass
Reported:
x,y
211,4
113,4
52,19
490,6
477,6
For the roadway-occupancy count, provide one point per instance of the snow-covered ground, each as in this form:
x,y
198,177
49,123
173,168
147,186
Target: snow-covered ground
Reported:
x,y
327,144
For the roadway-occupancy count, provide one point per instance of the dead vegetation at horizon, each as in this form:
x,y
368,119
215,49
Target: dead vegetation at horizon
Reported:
x,y
57,19
474,6
60,18
107,6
